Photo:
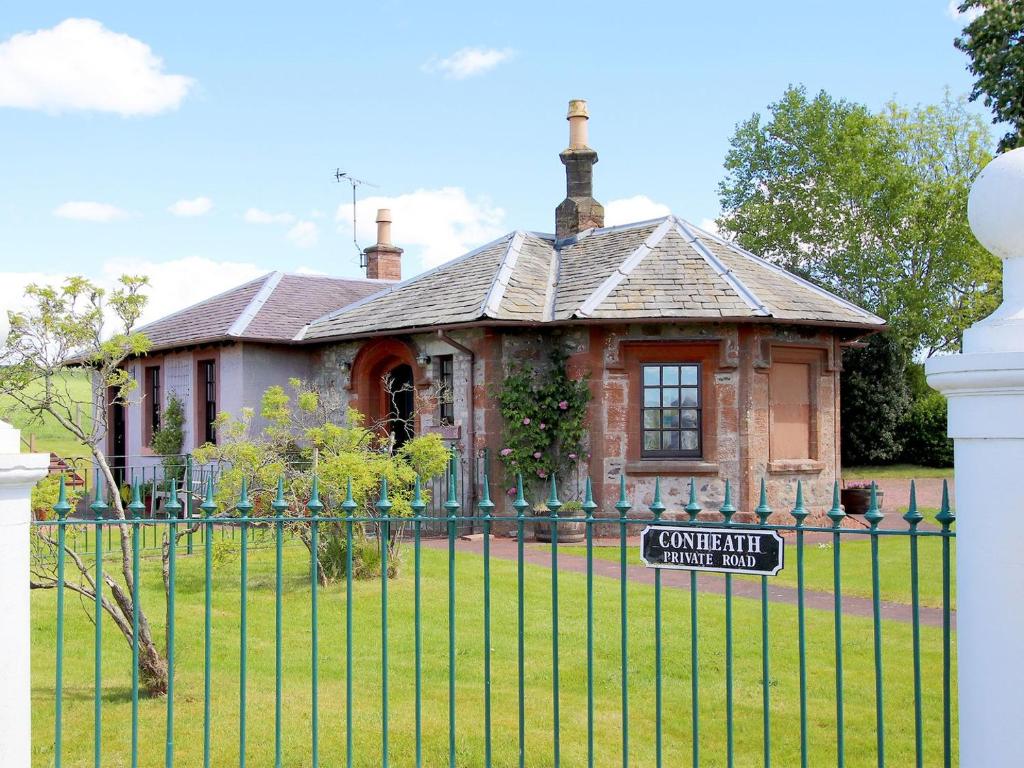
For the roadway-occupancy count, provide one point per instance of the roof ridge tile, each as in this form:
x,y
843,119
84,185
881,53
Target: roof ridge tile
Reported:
x,y
621,272
741,288
247,315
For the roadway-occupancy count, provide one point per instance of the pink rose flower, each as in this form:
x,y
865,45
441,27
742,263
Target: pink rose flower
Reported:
x,y
536,454
506,451
511,492
526,421
564,405
541,473
572,456
543,425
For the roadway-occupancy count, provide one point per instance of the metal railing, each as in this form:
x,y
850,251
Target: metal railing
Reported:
x,y
576,679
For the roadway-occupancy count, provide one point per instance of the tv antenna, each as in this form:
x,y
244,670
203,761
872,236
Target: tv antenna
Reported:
x,y
340,176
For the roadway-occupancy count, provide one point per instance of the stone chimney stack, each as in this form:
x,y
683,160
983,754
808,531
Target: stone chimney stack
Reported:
x,y
579,210
383,260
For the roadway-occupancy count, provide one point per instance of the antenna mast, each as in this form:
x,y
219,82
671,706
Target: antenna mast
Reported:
x,y
340,176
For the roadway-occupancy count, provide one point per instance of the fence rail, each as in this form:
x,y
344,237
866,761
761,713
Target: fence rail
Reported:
x,y
638,668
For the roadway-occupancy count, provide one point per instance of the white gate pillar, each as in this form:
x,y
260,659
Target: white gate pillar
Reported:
x,y
18,473
985,388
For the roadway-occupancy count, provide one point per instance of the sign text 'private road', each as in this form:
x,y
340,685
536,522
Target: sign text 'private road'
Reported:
x,y
725,550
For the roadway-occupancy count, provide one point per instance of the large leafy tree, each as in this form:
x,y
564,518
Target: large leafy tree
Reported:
x,y
871,205
994,41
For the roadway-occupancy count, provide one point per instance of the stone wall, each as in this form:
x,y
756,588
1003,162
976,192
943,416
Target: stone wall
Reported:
x,y
736,362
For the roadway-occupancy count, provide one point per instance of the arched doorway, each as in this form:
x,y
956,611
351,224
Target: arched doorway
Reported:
x,y
384,380
400,389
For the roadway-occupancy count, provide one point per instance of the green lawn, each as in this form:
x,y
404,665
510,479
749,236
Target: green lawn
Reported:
x,y
896,471
783,680
51,436
855,550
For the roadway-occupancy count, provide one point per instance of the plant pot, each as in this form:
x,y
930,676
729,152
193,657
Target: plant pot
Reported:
x,y
568,532
856,501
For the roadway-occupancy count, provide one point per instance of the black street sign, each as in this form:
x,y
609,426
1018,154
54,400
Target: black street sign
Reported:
x,y
725,550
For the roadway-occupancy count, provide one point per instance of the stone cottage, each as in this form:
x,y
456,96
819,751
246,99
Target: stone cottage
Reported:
x,y
704,360
220,355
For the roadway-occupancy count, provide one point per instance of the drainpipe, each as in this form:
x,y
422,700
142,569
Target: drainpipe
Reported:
x,y
470,432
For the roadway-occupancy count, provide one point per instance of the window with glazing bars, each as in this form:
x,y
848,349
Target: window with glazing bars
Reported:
x,y
208,369
670,410
446,397
153,387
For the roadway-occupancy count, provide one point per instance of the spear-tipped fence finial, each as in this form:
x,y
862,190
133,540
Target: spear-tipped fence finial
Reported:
x,y
279,504
623,505
417,503
913,515
349,504
763,511
173,505
945,516
874,515
62,507
836,514
209,505
799,511
692,507
657,508
383,504
728,509
588,500
485,504
314,505
243,505
553,504
98,506
135,506
451,504
520,503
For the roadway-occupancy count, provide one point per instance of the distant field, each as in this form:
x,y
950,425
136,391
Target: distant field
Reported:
x,y
49,435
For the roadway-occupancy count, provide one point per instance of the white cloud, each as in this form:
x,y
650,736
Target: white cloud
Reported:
x,y
256,216
711,226
953,10
173,283
198,206
304,234
81,65
468,62
439,223
630,209
85,210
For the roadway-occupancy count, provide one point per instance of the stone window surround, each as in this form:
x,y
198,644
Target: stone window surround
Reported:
x,y
150,361
199,391
823,362
707,352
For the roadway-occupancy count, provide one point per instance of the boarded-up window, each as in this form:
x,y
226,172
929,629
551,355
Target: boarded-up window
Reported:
x,y
790,432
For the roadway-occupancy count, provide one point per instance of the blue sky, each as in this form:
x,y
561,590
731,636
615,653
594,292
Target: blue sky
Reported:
x,y
250,107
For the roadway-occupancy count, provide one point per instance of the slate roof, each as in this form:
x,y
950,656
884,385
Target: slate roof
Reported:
x,y
272,308
665,268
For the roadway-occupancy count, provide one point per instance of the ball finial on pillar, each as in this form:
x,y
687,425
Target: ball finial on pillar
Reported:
x,y
995,207
995,210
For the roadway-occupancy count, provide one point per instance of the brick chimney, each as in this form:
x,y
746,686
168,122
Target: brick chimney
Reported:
x,y
383,260
579,210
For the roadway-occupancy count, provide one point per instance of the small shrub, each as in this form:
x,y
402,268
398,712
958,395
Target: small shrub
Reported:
x,y
366,560
169,439
45,494
925,440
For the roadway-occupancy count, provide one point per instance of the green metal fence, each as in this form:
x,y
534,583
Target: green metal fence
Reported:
x,y
630,668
